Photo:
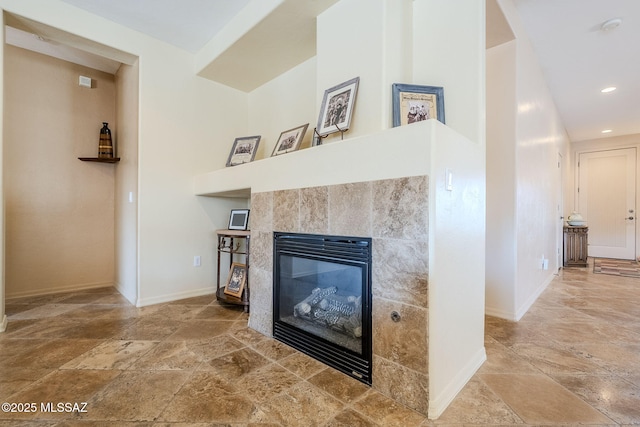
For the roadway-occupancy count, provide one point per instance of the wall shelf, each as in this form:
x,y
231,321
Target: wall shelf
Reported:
x,y
99,160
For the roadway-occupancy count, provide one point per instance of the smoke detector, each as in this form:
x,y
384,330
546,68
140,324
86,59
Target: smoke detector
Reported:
x,y
611,24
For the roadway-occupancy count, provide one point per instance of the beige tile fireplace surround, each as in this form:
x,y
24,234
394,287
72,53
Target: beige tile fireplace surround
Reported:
x,y
390,186
395,214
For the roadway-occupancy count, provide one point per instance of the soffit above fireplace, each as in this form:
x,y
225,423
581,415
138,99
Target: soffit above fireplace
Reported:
x,y
231,57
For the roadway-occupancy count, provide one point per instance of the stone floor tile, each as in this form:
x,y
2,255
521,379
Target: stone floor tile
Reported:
x,y
478,404
112,354
554,358
537,399
386,412
301,406
135,395
219,312
261,384
339,385
52,354
501,359
149,328
236,364
61,386
350,418
273,349
573,358
168,356
200,329
206,397
302,365
611,395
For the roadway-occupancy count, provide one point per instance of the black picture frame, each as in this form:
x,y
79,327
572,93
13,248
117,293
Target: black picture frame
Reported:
x,y
239,219
243,150
337,107
414,103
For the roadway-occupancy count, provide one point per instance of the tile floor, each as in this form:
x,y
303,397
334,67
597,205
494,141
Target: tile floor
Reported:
x,y
573,359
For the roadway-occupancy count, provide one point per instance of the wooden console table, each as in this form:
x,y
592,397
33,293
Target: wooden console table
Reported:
x,y
575,246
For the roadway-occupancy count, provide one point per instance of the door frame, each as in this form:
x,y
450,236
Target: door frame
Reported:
x,y
598,146
560,217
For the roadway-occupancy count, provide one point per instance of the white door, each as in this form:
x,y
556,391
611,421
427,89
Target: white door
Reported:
x,y
606,200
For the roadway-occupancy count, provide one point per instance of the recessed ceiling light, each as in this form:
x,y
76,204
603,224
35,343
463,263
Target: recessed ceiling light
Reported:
x,y
608,89
607,131
611,24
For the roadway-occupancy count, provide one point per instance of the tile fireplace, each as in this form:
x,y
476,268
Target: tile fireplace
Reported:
x,y
427,308
395,214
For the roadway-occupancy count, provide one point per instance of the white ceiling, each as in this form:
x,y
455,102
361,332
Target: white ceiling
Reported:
x,y
577,58
187,24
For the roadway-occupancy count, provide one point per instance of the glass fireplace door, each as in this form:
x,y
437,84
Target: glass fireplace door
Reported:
x,y
322,299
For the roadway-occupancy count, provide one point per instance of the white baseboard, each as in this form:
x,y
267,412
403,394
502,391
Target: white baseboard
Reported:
x,y
441,402
532,299
3,324
490,311
48,291
143,302
522,310
131,297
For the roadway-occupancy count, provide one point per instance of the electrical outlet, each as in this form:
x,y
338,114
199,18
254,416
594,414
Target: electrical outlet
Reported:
x,y
196,261
545,264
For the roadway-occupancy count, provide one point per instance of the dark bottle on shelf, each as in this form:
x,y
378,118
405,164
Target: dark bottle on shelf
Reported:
x,y
105,147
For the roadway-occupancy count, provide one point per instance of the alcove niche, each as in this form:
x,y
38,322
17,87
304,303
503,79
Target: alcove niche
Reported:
x,y
69,224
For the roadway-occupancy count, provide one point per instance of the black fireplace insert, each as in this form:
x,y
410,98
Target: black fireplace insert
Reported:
x,y
322,299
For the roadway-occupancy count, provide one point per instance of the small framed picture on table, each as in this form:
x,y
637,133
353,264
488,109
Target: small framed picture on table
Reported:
x,y
236,280
239,219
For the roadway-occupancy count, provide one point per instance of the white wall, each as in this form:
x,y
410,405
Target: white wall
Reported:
x,y
539,138
355,50
374,44
379,52
187,125
126,182
184,129
285,102
3,317
448,44
449,51
501,244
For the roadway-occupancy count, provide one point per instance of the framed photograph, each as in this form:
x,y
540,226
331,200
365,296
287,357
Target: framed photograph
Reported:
x,y
243,150
290,140
412,103
239,219
337,107
236,280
